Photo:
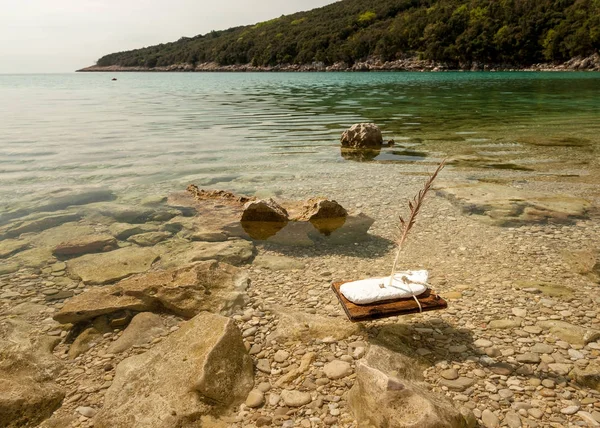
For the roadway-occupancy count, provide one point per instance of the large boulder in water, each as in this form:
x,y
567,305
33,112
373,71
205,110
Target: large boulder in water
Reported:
x,y
202,369
362,135
264,210
389,391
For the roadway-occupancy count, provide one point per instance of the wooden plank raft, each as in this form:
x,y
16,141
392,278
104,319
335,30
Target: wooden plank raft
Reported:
x,y
429,302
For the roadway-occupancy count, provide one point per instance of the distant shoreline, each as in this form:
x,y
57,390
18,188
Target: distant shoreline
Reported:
x,y
591,63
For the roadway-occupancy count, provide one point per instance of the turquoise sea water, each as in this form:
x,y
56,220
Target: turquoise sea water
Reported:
x,y
159,132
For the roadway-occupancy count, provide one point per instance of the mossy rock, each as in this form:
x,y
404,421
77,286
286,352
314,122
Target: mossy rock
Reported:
x,y
546,288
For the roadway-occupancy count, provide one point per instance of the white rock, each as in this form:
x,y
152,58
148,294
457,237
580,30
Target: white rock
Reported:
x,y
337,369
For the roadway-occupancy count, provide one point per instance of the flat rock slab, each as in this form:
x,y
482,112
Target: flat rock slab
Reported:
x,y
203,368
204,286
277,263
37,223
509,206
143,328
389,392
149,239
11,246
85,245
573,334
112,266
133,214
299,325
123,231
60,200
235,252
28,393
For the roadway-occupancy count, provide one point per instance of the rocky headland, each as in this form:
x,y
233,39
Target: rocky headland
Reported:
x,y
591,63
208,308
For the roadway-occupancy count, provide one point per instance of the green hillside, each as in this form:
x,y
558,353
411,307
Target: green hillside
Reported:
x,y
519,32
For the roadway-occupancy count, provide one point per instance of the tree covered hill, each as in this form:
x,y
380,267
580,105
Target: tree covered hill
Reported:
x,y
455,32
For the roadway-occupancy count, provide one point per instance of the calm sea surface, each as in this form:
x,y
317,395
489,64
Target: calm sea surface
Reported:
x,y
154,133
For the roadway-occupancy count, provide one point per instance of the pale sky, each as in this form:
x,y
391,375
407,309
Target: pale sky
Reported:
x,y
49,36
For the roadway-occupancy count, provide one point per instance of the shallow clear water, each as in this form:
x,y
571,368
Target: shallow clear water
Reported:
x,y
159,132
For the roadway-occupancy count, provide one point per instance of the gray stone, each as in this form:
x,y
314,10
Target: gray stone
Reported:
x,y
588,419
459,384
337,369
542,348
255,399
143,328
201,369
295,398
450,374
483,343
512,420
88,412
281,355
528,358
505,324
569,410
389,391
489,419
588,376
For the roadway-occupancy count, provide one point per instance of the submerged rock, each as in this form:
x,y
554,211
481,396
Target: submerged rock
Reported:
x,y
59,200
28,393
112,266
149,239
204,286
201,369
10,246
389,391
85,245
509,206
134,214
37,223
277,263
235,252
299,325
143,328
123,231
362,135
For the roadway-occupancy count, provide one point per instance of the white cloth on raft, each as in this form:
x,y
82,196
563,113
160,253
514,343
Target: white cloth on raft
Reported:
x,y
404,285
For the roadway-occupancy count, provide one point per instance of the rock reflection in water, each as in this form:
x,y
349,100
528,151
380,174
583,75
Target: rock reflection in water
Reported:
x,y
305,233
327,226
360,155
262,230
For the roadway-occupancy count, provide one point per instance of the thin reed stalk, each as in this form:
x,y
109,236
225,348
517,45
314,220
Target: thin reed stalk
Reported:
x,y
415,207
